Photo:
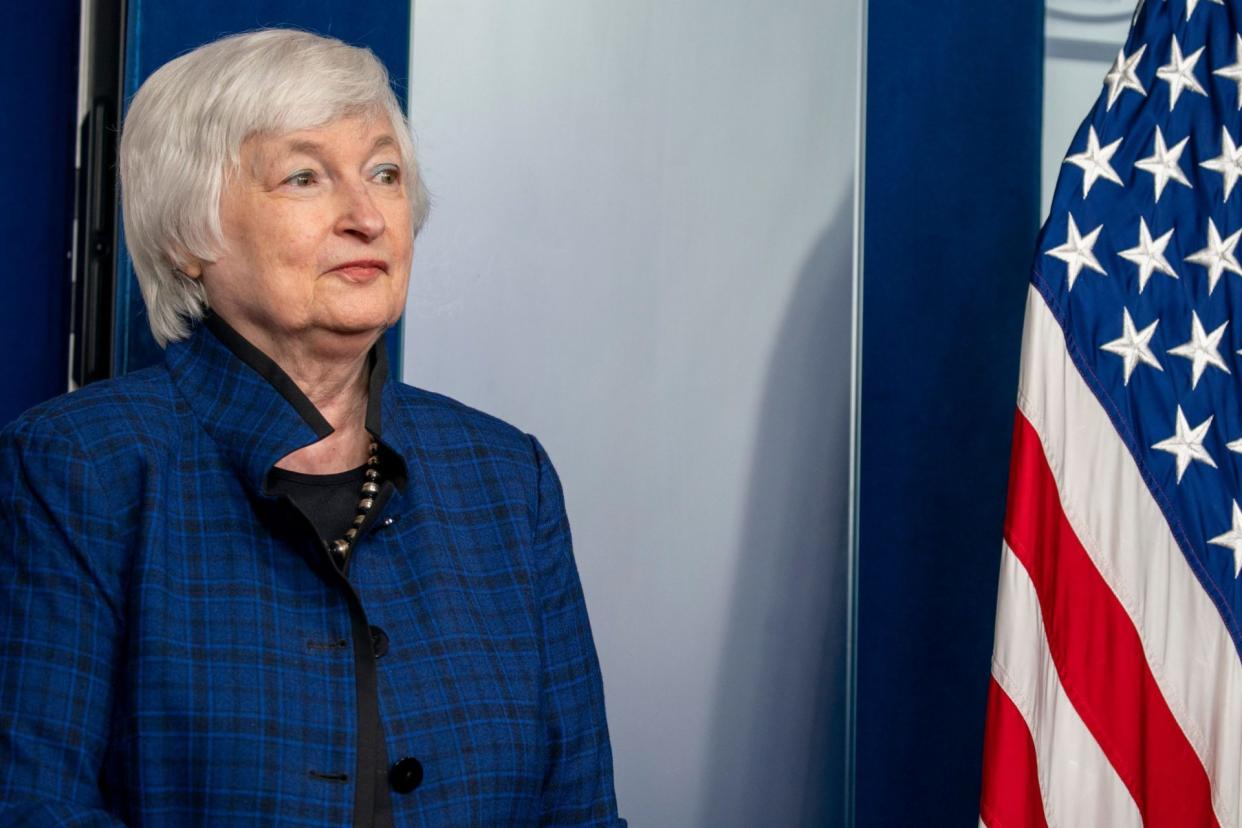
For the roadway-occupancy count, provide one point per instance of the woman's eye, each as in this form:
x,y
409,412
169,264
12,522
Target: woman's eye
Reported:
x,y
302,178
388,175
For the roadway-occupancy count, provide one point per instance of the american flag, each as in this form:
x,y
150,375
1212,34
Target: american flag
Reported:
x,y
1116,692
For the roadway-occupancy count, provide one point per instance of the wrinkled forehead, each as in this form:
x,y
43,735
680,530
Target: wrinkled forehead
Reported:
x,y
370,127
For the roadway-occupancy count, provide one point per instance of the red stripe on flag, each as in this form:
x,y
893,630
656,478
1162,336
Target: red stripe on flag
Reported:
x,y
1011,797
1097,651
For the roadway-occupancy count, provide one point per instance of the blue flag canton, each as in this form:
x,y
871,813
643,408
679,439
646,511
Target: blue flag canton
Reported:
x,y
1140,262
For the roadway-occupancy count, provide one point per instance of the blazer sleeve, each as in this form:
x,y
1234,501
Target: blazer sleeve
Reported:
x,y
577,784
59,629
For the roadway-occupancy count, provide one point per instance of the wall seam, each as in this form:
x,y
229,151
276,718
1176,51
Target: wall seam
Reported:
x,y
856,358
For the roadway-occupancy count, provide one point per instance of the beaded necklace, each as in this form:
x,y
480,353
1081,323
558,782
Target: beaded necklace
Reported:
x,y
370,488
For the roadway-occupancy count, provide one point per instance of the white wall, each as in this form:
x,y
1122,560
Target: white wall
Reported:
x,y
640,250
1081,40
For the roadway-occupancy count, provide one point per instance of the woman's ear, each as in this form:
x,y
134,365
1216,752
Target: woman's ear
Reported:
x,y
189,266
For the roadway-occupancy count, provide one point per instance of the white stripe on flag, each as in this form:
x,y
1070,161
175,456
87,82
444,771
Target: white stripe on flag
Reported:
x,y
1115,516
1079,785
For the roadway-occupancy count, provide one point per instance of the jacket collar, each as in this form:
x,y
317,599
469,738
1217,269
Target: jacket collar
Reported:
x,y
253,410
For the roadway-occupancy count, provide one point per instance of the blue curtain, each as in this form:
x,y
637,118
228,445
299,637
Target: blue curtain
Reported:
x,y
39,86
954,93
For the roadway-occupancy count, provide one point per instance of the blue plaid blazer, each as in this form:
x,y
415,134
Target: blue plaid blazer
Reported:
x,y
179,649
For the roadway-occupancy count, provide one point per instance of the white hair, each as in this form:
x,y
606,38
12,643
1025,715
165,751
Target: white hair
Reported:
x,y
183,135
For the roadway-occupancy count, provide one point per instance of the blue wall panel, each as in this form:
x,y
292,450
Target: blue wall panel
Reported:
x,y
160,30
38,96
952,200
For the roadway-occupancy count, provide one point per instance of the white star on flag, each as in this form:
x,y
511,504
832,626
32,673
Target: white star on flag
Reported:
x,y
1233,539
1228,163
1149,254
1233,71
1076,252
1202,349
1094,162
1179,73
1187,444
1165,164
1122,75
1133,346
1192,4
1218,256
1235,445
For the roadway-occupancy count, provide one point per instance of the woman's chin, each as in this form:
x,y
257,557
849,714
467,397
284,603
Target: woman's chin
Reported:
x,y
358,321
360,309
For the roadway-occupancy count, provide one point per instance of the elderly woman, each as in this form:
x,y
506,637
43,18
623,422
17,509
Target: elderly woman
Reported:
x,y
261,583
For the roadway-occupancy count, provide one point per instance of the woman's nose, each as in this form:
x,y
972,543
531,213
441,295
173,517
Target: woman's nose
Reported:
x,y
359,214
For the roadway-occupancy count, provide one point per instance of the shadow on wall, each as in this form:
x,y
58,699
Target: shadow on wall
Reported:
x,y
778,724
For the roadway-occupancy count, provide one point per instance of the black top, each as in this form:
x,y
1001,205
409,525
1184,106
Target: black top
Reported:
x,y
330,501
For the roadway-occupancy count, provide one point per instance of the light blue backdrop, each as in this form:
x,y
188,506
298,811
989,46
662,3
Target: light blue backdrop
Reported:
x,y
642,250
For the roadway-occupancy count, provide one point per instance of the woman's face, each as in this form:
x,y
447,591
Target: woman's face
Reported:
x,y
317,236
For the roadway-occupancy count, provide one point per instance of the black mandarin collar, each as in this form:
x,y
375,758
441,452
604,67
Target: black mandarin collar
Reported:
x,y
254,411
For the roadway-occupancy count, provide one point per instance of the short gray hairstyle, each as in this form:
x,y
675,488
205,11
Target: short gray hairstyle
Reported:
x,y
183,134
